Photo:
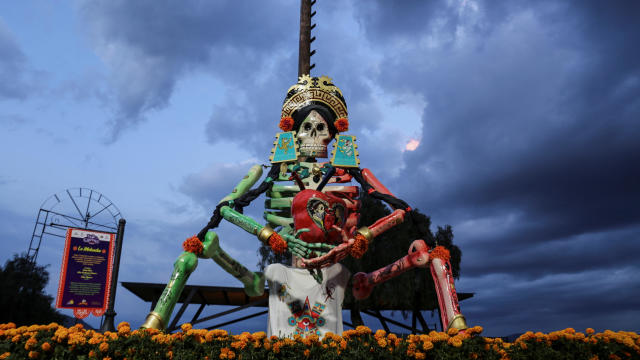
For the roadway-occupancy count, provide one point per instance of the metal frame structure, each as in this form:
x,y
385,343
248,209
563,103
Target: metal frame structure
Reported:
x,y
52,220
236,297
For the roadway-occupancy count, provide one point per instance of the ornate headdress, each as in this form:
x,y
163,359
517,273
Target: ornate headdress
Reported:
x,y
310,90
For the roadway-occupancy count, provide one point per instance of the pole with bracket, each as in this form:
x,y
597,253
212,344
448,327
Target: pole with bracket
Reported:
x,y
110,314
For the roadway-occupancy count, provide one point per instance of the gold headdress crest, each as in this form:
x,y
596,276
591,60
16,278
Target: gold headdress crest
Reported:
x,y
314,89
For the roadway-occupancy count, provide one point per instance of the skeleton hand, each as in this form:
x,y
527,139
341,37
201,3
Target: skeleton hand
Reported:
x,y
335,255
303,248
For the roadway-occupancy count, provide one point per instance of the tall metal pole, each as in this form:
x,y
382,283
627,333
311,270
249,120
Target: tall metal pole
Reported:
x,y
305,53
110,314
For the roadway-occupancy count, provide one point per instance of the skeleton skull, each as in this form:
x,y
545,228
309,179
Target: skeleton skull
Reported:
x,y
314,136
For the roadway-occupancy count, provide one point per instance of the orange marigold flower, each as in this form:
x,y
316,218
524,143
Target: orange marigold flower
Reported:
x,y
307,353
590,331
363,330
186,326
103,347
193,245
359,247
452,331
5,355
30,343
276,242
343,344
341,124
92,354
15,339
239,344
46,346
440,252
286,124
123,324
427,345
33,354
420,355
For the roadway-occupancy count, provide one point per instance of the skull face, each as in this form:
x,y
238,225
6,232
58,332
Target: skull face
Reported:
x,y
314,136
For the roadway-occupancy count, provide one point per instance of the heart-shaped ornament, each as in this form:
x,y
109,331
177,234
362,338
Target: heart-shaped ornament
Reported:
x,y
318,212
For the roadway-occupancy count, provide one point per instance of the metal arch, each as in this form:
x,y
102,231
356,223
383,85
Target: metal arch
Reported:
x,y
74,207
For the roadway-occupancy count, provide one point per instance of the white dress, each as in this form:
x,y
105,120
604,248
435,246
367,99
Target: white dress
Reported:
x,y
299,305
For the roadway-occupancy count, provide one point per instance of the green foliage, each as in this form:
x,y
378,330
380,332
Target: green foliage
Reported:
x,y
22,298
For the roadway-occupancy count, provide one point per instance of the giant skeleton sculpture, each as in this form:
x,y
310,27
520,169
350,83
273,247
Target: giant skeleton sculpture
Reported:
x,y
308,213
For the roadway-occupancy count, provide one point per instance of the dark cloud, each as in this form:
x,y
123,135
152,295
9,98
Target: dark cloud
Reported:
x,y
149,47
13,67
528,144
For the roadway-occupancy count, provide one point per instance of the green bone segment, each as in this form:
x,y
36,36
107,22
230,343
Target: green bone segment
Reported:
x,y
277,220
278,203
245,184
243,221
253,282
182,268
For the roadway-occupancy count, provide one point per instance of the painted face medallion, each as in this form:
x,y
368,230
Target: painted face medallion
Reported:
x,y
318,212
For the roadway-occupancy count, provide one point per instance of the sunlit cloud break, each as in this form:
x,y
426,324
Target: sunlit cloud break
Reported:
x,y
412,145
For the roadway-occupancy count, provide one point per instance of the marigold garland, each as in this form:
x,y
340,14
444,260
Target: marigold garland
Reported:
x,y
286,124
193,245
440,252
341,124
359,247
278,244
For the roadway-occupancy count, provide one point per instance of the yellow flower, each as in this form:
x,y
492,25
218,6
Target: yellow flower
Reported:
x,y
30,343
259,335
238,344
103,347
124,329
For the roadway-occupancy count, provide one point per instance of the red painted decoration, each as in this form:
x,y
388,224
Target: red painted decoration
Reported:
x,y
319,212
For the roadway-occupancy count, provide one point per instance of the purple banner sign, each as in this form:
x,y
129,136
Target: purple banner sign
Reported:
x,y
85,278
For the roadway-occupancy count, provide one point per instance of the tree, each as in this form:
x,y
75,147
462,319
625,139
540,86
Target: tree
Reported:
x,y
415,288
22,298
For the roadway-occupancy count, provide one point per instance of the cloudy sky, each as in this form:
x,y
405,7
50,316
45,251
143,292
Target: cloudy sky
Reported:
x,y
525,116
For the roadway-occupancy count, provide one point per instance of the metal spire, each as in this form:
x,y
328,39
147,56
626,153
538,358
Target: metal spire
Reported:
x,y
305,53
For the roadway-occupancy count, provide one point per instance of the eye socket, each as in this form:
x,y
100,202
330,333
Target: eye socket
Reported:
x,y
307,126
320,127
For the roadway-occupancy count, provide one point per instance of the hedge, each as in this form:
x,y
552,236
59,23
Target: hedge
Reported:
x,y
57,342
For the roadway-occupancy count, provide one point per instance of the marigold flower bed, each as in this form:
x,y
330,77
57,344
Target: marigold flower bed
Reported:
x,y
57,342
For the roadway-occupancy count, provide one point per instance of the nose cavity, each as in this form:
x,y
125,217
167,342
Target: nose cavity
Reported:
x,y
314,133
